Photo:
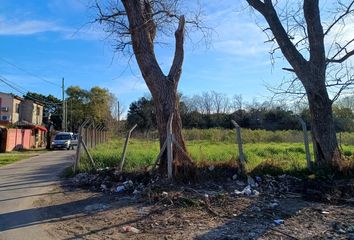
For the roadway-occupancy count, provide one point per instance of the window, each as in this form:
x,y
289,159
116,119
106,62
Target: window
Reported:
x,y
38,111
17,108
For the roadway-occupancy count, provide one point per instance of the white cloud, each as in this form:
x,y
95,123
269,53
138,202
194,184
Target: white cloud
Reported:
x,y
32,27
29,27
237,34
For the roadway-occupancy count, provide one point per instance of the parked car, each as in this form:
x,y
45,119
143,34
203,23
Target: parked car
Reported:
x,y
62,140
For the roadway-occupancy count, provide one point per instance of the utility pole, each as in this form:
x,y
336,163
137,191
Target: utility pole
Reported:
x,y
66,116
63,122
71,116
118,115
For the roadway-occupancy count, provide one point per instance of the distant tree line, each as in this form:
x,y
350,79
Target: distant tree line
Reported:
x,y
216,110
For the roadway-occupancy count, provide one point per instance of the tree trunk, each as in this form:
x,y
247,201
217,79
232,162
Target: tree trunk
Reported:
x,y
312,74
324,138
166,101
163,88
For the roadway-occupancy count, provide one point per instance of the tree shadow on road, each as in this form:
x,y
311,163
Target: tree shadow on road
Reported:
x,y
49,214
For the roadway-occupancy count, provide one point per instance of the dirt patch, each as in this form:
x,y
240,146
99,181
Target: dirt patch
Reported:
x,y
212,210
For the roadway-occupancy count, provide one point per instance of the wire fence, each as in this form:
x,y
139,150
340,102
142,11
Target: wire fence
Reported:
x,y
89,136
133,149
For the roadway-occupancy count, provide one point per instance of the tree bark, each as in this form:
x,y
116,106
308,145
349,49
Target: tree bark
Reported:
x,y
166,102
163,88
324,138
311,73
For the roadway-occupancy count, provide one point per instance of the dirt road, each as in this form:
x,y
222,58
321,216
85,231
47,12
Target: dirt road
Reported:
x,y
21,184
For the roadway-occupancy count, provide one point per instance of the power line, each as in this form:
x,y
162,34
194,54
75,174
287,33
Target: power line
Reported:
x,y
33,75
12,85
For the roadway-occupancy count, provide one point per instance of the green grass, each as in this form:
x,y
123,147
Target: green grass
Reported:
x,y
11,157
276,157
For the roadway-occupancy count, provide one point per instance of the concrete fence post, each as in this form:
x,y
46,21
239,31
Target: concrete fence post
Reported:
x,y
240,147
169,145
121,164
306,142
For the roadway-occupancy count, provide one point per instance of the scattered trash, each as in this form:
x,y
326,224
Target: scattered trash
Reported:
x,y
130,229
104,187
234,177
128,184
248,191
164,194
237,192
136,192
120,189
255,193
211,167
258,179
279,221
325,212
251,181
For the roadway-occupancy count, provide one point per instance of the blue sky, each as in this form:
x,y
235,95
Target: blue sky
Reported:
x,y
51,39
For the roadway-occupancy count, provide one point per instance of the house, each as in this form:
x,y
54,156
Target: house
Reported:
x,y
10,105
32,111
26,115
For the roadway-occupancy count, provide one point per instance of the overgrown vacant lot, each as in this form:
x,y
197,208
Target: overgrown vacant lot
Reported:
x,y
217,205
282,150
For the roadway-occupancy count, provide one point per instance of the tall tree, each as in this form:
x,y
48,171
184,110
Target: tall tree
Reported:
x,y
142,112
96,104
306,54
136,23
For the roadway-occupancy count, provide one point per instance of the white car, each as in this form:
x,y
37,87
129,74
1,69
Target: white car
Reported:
x,y
62,140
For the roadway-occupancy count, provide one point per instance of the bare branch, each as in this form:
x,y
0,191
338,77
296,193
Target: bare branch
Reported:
x,y
289,69
344,14
176,67
342,59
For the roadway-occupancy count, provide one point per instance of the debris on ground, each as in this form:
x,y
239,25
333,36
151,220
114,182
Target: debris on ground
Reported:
x,y
127,229
278,221
225,207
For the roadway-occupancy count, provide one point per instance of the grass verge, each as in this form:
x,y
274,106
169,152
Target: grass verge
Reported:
x,y
14,156
273,158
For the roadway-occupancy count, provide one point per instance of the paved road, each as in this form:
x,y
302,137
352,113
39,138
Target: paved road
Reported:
x,y
21,184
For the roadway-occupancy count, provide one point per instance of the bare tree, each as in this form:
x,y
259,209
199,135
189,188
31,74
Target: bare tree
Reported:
x,y
237,102
135,24
300,36
220,102
195,103
207,103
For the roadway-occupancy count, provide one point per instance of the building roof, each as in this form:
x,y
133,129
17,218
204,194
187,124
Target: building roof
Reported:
x,y
34,101
13,95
